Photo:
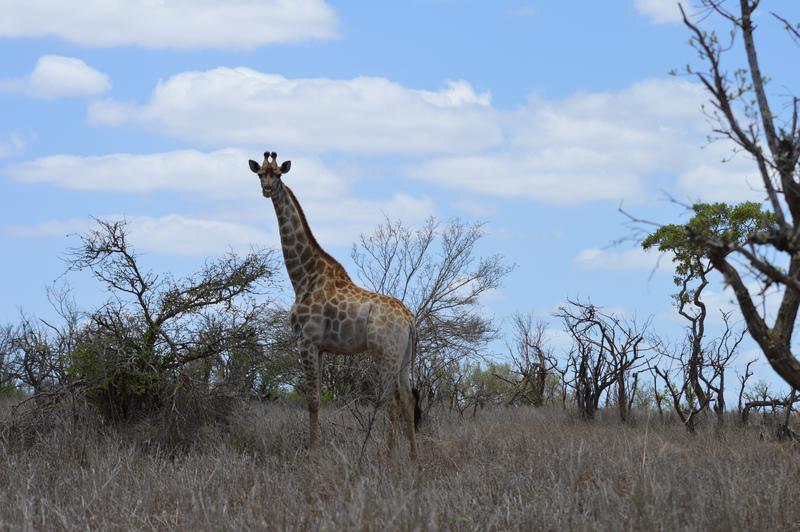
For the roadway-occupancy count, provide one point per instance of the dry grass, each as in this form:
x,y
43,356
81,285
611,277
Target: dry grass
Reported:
x,y
505,469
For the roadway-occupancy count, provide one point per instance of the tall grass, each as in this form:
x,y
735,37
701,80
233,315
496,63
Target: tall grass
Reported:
x,y
504,469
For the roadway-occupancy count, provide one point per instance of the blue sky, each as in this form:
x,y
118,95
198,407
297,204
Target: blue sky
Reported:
x,y
537,118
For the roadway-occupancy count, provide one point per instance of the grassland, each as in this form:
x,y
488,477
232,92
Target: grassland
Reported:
x,y
516,468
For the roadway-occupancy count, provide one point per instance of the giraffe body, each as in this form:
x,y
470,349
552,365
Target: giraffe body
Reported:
x,y
331,314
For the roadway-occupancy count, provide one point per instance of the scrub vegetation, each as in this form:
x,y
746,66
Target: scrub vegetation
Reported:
x,y
179,403
503,468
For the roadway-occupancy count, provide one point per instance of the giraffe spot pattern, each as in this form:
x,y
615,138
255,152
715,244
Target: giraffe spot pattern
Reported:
x,y
332,314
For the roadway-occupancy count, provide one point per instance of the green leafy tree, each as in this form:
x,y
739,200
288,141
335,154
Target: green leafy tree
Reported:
x,y
156,333
700,376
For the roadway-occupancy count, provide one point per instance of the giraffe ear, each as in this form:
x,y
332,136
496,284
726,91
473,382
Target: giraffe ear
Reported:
x,y
286,166
254,166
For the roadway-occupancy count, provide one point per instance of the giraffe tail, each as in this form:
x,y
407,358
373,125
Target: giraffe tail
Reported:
x,y
417,409
415,390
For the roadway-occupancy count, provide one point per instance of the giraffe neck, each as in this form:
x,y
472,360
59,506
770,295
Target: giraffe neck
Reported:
x,y
304,257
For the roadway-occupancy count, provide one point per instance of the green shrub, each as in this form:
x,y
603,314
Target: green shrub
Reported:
x,y
9,391
124,386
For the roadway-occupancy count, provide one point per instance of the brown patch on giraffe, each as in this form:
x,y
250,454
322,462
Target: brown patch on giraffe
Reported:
x,y
312,239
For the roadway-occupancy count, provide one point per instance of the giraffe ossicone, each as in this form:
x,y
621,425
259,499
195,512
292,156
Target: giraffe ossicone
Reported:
x,y
331,314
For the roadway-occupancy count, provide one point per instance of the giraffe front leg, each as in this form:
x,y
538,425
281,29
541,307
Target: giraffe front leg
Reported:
x,y
311,359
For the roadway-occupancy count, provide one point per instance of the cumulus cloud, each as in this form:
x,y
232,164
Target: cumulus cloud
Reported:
x,y
333,224
660,11
529,176
219,173
603,146
188,235
718,177
632,259
337,215
55,76
170,235
591,146
47,228
365,114
588,147
183,24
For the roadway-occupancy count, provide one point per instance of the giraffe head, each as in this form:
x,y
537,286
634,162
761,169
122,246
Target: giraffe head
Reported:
x,y
269,173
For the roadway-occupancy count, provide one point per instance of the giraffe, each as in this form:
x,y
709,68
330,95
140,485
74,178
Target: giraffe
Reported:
x,y
331,314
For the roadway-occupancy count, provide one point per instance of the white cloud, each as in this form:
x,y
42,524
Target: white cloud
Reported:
x,y
492,295
530,176
241,106
56,76
660,11
632,259
603,146
333,224
735,179
173,234
13,146
337,216
219,173
187,235
48,228
183,24
588,147
591,146
720,183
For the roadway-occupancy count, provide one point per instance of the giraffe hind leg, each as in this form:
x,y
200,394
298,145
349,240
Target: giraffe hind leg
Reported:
x,y
407,405
311,360
392,418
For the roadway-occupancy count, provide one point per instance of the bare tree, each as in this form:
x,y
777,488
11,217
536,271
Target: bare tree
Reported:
x,y
743,385
781,409
718,356
37,359
678,382
436,272
605,353
7,377
34,353
695,378
744,241
531,359
658,394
